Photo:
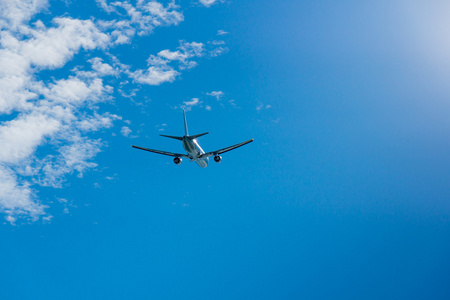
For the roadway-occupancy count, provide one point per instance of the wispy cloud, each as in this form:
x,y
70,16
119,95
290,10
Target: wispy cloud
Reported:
x,y
103,69
217,94
216,42
161,127
144,16
125,131
193,102
221,32
208,3
189,104
66,204
221,100
167,65
186,51
218,50
263,106
161,69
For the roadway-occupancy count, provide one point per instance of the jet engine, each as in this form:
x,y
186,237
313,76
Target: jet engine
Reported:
x,y
217,158
177,160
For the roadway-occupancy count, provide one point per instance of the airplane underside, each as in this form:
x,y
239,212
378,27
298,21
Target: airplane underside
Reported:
x,y
202,162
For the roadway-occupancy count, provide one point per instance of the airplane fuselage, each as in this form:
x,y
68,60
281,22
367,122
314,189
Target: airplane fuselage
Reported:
x,y
195,151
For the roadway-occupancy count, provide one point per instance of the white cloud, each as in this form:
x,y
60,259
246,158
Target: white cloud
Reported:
x,y
187,51
103,69
221,32
74,91
104,4
217,94
161,127
145,15
14,12
46,49
187,105
96,122
216,42
208,3
17,199
154,75
57,114
167,64
263,106
218,51
161,70
74,156
125,131
66,204
20,137
192,102
217,48
71,35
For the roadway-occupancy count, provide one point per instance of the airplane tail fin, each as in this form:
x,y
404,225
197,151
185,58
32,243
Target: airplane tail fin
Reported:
x,y
186,133
173,137
185,124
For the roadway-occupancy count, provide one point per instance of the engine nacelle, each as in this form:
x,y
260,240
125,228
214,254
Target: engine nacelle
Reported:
x,y
217,158
177,160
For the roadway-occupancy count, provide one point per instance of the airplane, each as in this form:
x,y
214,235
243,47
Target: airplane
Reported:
x,y
193,149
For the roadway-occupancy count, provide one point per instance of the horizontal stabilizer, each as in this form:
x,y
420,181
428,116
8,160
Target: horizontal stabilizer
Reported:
x,y
173,137
197,135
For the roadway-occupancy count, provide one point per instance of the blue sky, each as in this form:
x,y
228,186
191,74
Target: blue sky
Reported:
x,y
343,194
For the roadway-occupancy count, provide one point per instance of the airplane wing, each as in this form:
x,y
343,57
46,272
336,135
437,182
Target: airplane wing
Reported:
x,y
223,150
162,152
